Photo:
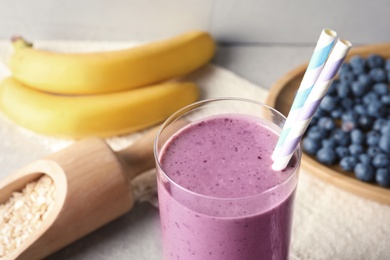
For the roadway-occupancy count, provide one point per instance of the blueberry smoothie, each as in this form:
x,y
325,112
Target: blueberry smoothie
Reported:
x,y
219,197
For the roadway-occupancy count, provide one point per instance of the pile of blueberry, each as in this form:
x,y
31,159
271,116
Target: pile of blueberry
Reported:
x,y
352,124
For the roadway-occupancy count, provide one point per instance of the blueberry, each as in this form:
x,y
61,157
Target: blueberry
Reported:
x,y
380,160
365,122
313,122
348,163
360,109
364,158
341,137
381,88
359,71
332,91
317,133
375,61
342,151
376,109
327,123
371,97
328,103
357,136
356,149
343,90
328,143
346,67
365,79
350,116
358,64
320,113
372,138
359,89
373,150
336,114
382,177
385,127
326,156
347,77
311,146
378,74
387,64
384,143
379,124
385,100
347,103
364,172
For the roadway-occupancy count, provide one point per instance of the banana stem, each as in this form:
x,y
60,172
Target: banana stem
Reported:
x,y
19,42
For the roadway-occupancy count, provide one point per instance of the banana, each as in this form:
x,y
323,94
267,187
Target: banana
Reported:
x,y
110,71
98,115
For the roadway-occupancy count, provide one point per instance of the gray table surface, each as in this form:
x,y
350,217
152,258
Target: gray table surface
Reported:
x,y
136,235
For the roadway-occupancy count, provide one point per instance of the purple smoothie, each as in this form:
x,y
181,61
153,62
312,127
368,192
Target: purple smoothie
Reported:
x,y
223,200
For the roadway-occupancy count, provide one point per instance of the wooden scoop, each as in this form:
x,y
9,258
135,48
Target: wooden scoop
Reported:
x,y
93,187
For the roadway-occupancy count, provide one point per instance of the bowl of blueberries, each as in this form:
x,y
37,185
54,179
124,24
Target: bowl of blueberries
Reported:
x,y
348,140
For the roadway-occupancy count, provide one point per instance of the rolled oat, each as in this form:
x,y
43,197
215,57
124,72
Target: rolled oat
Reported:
x,y
24,212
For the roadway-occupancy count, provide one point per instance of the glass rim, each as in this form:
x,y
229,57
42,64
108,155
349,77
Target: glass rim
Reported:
x,y
180,113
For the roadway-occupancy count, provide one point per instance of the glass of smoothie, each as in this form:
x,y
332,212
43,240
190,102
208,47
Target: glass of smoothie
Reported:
x,y
219,197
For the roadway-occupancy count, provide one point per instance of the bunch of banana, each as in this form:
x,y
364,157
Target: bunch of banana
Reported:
x,y
102,94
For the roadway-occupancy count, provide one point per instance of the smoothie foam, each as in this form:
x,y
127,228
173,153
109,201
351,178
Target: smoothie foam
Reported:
x,y
224,200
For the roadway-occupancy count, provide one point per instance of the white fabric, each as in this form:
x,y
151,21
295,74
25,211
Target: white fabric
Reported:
x,y
329,223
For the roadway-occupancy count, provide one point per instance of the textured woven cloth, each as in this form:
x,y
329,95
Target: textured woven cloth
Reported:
x,y
329,223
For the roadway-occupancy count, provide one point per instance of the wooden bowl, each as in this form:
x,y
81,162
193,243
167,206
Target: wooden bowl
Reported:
x,y
281,97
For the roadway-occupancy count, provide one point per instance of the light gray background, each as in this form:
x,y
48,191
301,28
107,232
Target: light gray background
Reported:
x,y
231,21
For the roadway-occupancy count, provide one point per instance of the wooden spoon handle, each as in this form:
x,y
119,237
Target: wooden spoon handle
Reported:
x,y
138,157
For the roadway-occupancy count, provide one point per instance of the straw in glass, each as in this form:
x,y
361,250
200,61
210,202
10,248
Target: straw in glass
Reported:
x,y
320,55
313,100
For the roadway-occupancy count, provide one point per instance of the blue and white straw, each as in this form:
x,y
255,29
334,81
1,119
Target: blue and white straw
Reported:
x,y
312,103
320,55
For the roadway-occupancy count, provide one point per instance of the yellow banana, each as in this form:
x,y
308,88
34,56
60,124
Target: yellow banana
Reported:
x,y
99,115
110,71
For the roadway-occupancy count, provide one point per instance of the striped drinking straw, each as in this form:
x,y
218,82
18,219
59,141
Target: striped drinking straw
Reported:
x,y
320,88
316,63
